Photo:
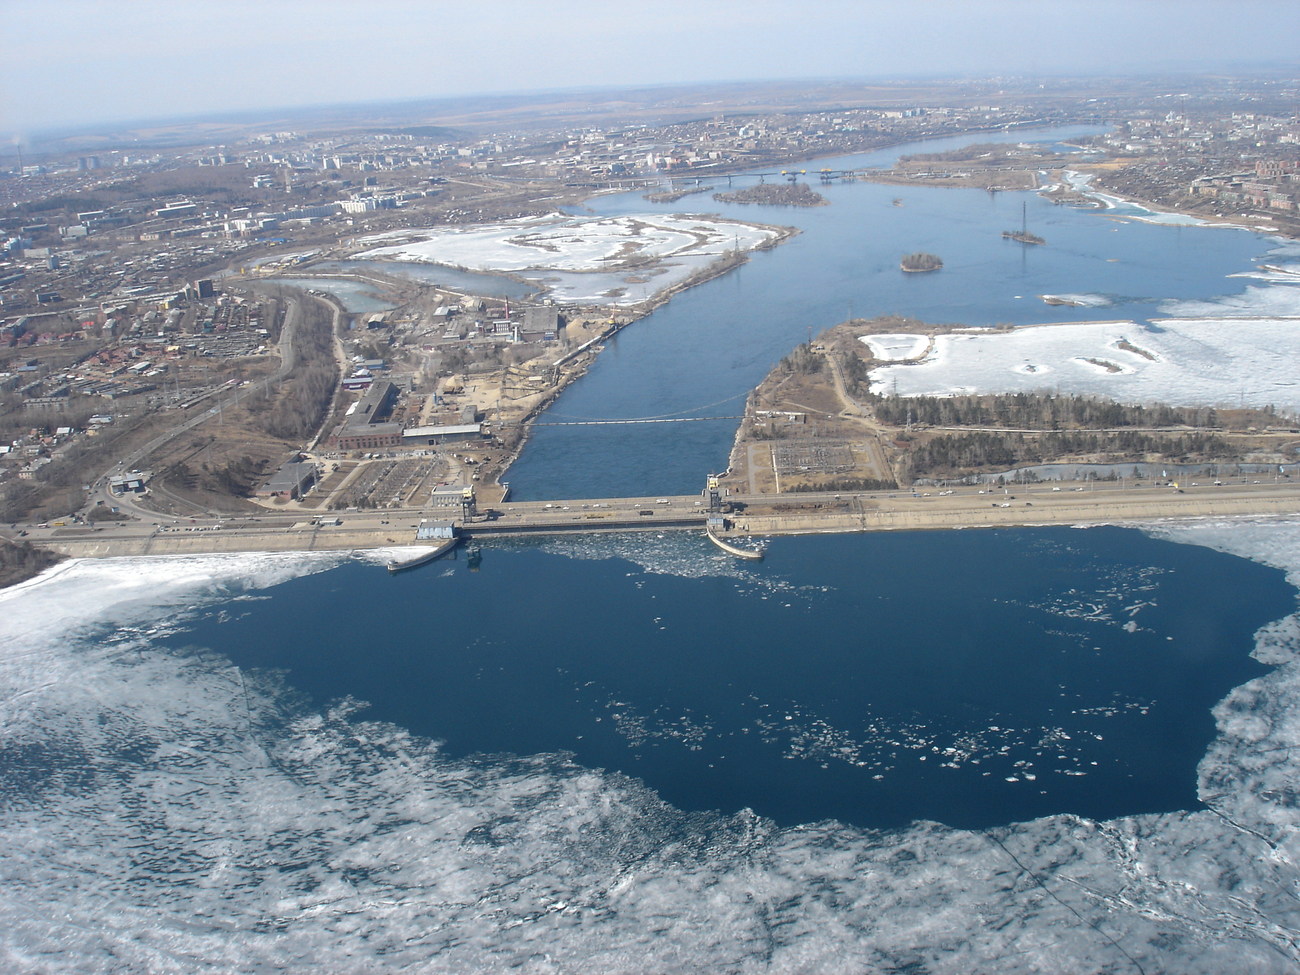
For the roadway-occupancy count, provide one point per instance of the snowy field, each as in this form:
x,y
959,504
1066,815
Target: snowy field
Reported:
x,y
1185,362
169,813
582,260
892,347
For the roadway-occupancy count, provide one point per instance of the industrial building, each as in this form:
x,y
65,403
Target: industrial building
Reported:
x,y
433,435
365,427
293,480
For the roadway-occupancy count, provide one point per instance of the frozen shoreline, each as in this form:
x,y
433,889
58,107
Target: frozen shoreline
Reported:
x,y
1201,361
617,261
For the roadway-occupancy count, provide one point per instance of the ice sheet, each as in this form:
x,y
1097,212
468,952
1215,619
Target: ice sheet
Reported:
x,y
1207,361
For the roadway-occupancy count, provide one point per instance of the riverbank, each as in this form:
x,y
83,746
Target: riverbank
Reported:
x,y
1109,198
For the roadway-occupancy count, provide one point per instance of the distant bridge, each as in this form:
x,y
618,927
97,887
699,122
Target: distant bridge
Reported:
x,y
648,419
698,178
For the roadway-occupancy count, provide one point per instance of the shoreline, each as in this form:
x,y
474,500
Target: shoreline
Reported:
x,y
1105,197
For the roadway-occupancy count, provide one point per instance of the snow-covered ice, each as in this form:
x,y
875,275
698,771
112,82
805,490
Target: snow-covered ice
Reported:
x,y
892,347
1205,361
619,260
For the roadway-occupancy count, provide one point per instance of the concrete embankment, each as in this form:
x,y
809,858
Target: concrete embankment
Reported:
x,y
767,517
1108,511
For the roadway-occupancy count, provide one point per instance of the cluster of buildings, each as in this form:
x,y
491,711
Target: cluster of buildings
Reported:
x,y
1274,185
139,349
369,425
24,455
1243,162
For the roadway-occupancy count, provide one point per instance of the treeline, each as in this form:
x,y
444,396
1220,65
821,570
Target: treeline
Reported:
x,y
238,477
971,451
844,484
803,360
299,405
60,481
1034,411
22,561
789,194
299,409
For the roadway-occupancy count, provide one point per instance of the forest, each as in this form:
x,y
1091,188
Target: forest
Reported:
x,y
1033,411
953,453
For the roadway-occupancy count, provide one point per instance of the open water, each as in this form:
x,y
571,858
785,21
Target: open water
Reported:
x,y
701,354
971,678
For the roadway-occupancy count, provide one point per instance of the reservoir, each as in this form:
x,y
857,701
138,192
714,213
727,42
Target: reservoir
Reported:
x,y
971,678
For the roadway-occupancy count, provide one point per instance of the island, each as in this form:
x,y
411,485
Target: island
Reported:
x,y
775,194
824,419
919,262
1024,236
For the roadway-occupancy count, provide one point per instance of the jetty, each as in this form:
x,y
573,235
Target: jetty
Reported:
x,y
736,550
446,536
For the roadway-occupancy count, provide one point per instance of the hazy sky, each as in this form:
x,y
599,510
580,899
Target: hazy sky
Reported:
x,y
88,61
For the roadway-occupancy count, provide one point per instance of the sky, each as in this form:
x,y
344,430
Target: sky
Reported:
x,y
85,62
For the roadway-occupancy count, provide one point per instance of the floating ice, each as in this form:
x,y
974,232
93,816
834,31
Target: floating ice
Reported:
x,y
165,812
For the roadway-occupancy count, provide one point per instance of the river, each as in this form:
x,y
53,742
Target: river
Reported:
x,y
701,354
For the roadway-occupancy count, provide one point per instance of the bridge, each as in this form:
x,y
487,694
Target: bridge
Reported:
x,y
644,419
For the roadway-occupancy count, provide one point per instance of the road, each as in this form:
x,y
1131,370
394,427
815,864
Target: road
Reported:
x,y
1039,504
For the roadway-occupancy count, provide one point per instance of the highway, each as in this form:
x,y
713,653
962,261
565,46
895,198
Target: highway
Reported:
x,y
966,507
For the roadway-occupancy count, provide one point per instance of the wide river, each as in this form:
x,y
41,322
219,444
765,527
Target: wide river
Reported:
x,y
942,752
702,353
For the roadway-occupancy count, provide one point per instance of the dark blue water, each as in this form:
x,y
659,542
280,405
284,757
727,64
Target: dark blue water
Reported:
x,y
973,678
702,352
